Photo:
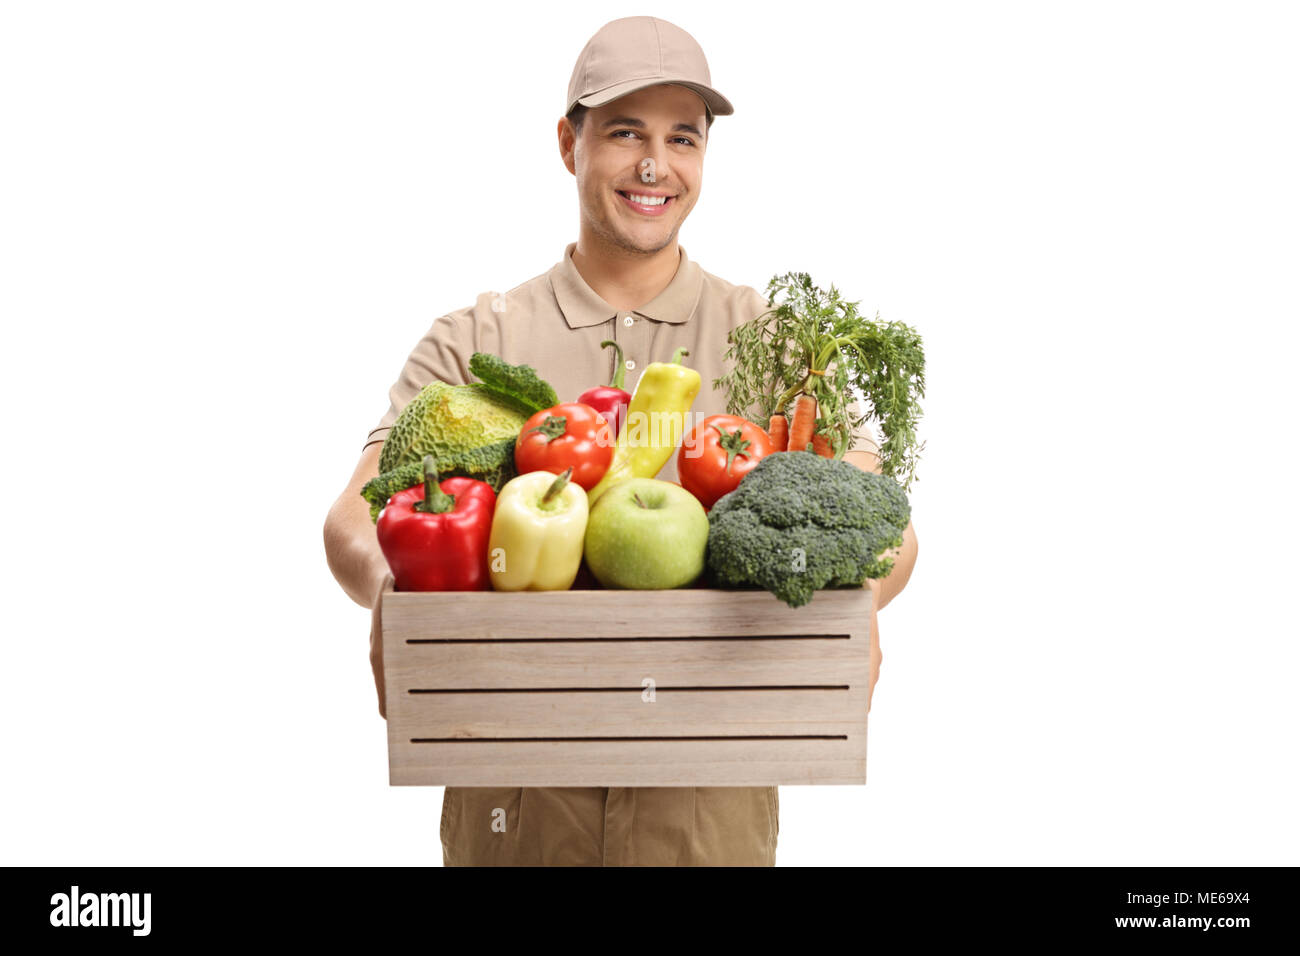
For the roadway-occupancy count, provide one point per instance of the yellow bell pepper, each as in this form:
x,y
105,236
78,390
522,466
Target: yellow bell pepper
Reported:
x,y
537,533
656,420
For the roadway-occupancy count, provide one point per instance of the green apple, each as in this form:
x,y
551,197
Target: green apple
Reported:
x,y
646,534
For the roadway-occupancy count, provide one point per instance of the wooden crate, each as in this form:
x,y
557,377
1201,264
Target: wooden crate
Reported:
x,y
548,688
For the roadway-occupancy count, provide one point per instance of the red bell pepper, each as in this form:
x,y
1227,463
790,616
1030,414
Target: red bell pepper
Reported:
x,y
610,400
435,536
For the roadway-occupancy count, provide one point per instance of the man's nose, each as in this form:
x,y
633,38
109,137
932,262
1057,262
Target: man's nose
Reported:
x,y
654,163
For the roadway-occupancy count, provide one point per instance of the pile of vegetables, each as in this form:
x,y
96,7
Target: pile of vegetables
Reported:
x,y
498,484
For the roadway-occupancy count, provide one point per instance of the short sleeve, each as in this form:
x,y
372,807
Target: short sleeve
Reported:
x,y
441,355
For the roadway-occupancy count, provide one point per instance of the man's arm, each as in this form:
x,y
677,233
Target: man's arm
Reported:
x,y
351,546
352,550
904,557
892,583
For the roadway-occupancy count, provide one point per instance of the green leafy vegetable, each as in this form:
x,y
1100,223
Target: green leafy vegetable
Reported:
x,y
518,382
814,342
470,429
494,464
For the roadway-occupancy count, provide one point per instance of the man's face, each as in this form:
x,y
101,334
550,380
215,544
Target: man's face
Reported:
x,y
645,145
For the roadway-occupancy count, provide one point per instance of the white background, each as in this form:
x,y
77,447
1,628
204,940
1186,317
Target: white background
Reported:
x,y
225,225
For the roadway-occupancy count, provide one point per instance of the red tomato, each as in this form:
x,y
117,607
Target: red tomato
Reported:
x,y
570,434
718,453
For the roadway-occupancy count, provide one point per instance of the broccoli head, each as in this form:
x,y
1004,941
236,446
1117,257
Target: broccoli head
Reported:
x,y
799,522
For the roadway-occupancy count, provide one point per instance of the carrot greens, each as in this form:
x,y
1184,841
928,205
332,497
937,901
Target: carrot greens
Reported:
x,y
815,343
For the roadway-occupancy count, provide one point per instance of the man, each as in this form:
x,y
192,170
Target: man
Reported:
x,y
636,124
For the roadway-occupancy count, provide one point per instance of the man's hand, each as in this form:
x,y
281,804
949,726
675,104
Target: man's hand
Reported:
x,y
377,642
876,656
884,589
354,556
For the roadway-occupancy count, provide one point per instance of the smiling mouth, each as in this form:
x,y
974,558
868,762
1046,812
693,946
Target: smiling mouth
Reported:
x,y
646,203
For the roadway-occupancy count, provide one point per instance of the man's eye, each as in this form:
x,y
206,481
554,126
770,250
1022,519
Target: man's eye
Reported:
x,y
630,132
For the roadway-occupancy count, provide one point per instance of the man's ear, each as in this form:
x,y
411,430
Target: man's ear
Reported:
x,y
568,143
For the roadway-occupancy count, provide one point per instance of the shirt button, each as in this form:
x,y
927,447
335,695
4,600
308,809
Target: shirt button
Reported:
x,y
628,320
629,365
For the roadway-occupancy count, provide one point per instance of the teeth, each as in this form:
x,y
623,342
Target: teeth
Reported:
x,y
647,200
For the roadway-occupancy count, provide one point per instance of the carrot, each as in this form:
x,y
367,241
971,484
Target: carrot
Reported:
x,y
822,447
801,425
778,429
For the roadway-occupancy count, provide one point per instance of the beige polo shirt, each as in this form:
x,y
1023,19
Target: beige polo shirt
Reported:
x,y
555,322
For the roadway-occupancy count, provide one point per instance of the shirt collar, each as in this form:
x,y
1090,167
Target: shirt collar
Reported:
x,y
582,307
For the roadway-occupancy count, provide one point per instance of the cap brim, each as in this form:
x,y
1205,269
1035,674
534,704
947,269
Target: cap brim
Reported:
x,y
718,104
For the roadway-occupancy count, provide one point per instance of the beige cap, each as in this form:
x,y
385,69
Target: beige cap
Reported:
x,y
635,52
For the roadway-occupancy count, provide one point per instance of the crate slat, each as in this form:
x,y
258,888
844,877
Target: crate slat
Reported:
x,y
486,615
633,764
623,713
694,661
